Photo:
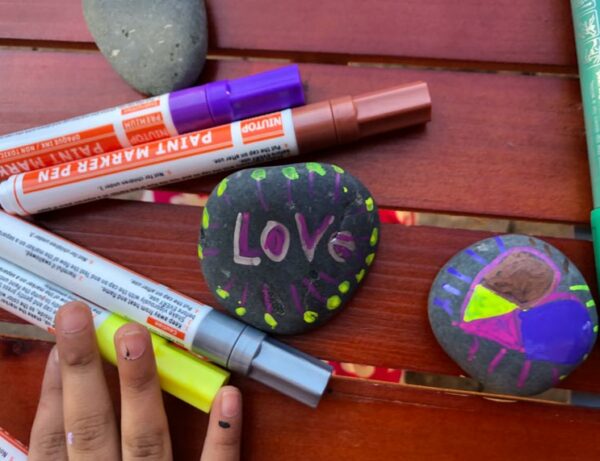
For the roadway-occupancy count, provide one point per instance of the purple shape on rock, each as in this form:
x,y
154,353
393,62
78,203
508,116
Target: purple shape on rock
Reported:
x,y
560,331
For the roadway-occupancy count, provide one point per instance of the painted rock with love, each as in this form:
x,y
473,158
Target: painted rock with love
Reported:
x,y
514,313
284,248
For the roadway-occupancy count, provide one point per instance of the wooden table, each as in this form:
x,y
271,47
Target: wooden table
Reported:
x,y
506,141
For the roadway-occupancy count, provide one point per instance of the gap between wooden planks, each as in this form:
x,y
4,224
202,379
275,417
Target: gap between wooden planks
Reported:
x,y
378,422
498,145
530,32
355,60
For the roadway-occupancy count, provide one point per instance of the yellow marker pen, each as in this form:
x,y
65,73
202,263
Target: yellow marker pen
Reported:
x,y
181,374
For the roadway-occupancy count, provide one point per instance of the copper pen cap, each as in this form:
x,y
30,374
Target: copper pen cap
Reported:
x,y
350,118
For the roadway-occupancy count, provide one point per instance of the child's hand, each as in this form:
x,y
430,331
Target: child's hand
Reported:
x,y
75,418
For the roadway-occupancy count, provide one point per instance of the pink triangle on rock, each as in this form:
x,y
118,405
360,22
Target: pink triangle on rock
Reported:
x,y
504,329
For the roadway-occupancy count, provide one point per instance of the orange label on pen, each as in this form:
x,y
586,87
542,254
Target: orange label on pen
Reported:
x,y
68,147
145,128
166,328
14,444
140,107
200,142
262,128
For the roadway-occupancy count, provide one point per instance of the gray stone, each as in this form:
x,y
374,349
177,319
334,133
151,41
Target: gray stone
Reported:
x,y
514,313
157,46
284,248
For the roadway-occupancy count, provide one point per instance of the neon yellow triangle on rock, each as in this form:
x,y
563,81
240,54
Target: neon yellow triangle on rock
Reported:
x,y
485,304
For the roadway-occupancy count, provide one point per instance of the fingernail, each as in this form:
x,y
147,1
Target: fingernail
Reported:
x,y
231,404
73,319
132,345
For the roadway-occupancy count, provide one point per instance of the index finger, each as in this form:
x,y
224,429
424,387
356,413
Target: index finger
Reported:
x,y
90,424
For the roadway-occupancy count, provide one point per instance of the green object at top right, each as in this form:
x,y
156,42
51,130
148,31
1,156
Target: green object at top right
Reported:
x,y
586,21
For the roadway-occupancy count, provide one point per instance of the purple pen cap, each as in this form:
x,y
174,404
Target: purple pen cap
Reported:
x,y
223,102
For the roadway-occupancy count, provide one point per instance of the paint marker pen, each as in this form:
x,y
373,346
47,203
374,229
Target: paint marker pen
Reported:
x,y
182,320
586,23
260,139
10,448
37,301
149,120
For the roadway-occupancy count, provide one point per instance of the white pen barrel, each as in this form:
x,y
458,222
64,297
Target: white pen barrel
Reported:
x,y
267,138
100,281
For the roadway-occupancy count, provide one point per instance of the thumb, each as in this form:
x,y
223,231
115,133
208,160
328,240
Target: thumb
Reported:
x,y
223,438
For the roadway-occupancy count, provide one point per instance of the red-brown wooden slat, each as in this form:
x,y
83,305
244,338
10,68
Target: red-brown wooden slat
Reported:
x,y
356,420
538,32
6,317
386,322
500,145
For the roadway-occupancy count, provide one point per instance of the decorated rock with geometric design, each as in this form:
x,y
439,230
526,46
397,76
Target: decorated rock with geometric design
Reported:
x,y
284,248
514,313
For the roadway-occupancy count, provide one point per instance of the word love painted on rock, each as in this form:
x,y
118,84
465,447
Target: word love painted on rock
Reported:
x,y
285,248
275,240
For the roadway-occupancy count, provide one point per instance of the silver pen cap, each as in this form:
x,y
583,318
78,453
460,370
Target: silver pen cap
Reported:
x,y
244,349
291,372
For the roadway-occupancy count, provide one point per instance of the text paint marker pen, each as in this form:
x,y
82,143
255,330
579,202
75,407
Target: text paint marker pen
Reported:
x,y
10,448
37,301
144,121
193,325
586,23
265,138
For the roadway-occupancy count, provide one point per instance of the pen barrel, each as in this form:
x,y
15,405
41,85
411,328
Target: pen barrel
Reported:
x,y
100,281
587,39
266,138
586,24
